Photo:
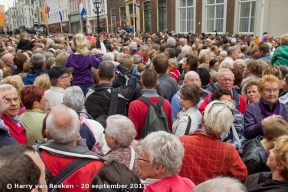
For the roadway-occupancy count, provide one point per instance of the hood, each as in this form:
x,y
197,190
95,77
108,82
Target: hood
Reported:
x,y
24,41
77,61
284,49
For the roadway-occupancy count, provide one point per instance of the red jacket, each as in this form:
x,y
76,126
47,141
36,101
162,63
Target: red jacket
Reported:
x,y
171,184
241,107
17,132
80,180
207,157
138,110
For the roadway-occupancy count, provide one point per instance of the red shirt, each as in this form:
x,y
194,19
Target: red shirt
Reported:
x,y
138,110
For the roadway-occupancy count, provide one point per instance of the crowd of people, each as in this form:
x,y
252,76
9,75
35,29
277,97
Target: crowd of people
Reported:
x,y
143,112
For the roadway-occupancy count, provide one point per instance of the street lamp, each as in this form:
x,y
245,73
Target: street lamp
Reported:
x,y
97,5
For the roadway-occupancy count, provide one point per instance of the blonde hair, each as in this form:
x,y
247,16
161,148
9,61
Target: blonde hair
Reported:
x,y
43,82
270,79
284,39
81,44
281,148
61,58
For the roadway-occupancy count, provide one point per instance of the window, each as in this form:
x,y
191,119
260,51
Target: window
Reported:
x,y
123,16
113,20
246,16
215,15
147,17
186,11
162,15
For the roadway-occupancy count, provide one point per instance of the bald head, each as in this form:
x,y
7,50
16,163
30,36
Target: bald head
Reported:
x,y
8,59
192,78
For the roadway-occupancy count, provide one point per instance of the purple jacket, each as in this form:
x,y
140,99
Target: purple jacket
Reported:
x,y
253,117
82,68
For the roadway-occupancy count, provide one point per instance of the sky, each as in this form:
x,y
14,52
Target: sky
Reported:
x,y
6,3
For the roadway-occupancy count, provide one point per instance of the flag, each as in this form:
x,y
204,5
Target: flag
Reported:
x,y
2,16
60,15
47,9
81,8
43,11
136,3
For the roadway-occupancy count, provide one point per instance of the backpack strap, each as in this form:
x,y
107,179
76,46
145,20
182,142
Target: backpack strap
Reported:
x,y
70,169
148,102
113,102
188,126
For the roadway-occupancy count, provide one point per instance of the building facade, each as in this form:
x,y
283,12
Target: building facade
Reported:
x,y
58,16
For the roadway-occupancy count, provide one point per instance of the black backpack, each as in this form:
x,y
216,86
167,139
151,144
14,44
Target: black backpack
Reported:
x,y
156,119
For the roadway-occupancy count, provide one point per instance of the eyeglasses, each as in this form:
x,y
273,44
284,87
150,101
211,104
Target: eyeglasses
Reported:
x,y
227,80
271,90
141,159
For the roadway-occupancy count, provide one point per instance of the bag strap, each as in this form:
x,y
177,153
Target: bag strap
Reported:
x,y
70,169
132,158
113,102
236,135
148,102
188,126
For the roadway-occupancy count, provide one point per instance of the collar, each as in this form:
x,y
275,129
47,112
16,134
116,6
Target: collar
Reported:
x,y
58,89
149,93
190,110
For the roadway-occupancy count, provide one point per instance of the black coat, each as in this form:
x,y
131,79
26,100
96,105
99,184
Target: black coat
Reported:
x,y
24,45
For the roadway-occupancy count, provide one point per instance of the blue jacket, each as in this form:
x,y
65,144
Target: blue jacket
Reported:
x,y
30,77
253,117
5,137
266,57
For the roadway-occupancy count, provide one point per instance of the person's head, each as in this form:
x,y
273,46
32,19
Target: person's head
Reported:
x,y
204,58
106,71
60,76
192,78
171,42
238,75
275,128
125,50
232,52
16,81
186,50
112,174
144,49
278,158
263,49
284,39
269,87
204,76
81,44
220,184
119,132
190,63
253,68
63,125
172,64
133,46
33,98
225,78
170,52
21,165
161,155
137,59
61,58
48,55
284,84
272,70
12,98
74,98
8,59
217,118
190,96
214,64
38,60
43,82
148,79
252,91
20,59
221,95
160,64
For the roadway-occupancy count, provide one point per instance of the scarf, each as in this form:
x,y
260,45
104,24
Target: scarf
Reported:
x,y
265,108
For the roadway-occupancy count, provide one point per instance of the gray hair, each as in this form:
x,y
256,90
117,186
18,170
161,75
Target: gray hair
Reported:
x,y
38,50
218,118
231,50
48,55
74,98
49,42
185,49
144,47
122,128
171,42
227,185
11,49
63,124
223,53
164,149
137,59
133,46
223,70
4,87
37,60
108,57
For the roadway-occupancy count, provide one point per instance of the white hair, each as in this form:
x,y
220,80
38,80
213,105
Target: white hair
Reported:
x,y
4,87
74,98
220,184
133,46
122,128
223,53
108,57
223,70
164,149
185,49
218,118
49,42
63,124
171,42
144,47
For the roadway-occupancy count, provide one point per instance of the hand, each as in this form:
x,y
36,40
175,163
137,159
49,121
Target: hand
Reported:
x,y
101,39
265,121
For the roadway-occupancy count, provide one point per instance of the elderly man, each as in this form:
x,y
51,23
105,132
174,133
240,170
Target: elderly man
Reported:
x,y
8,60
10,116
133,48
226,81
66,147
191,78
232,55
38,61
60,79
142,52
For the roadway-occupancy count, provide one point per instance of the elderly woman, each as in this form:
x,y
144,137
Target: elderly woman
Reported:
x,y
91,131
34,100
187,121
119,134
160,162
82,62
277,179
206,156
256,113
251,90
